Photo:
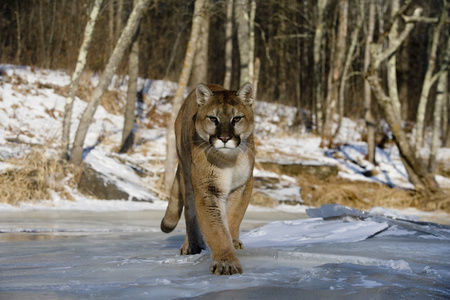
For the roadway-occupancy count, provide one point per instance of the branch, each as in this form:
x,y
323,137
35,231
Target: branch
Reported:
x,y
414,19
395,44
292,36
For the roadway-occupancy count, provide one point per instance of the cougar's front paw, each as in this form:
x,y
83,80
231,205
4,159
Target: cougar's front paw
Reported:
x,y
226,267
238,244
190,249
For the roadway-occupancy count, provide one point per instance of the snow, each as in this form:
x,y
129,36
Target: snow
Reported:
x,y
295,233
113,249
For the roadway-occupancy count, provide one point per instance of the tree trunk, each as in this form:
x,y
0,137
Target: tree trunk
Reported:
x,y
441,94
255,80
42,36
418,174
243,34
199,72
281,53
130,109
111,33
446,110
19,39
427,82
119,18
348,62
404,69
422,180
123,43
392,61
228,45
336,71
368,116
251,54
171,158
81,63
321,5
446,141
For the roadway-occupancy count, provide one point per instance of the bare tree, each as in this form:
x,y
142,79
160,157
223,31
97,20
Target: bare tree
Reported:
x,y
368,116
348,61
242,22
392,60
441,94
81,63
111,34
130,108
430,79
336,72
123,43
251,54
228,45
199,72
417,171
171,157
119,20
318,36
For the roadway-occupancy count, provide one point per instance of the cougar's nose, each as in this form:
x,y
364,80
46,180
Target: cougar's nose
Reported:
x,y
224,139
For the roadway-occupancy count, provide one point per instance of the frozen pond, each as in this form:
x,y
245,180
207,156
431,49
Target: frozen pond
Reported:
x,y
123,255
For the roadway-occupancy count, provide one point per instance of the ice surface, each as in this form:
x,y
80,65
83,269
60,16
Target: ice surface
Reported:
x,y
296,233
123,255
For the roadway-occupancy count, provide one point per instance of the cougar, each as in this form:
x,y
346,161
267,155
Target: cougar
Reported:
x,y
214,176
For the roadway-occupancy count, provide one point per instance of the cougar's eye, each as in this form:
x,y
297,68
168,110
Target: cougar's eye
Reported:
x,y
213,119
236,119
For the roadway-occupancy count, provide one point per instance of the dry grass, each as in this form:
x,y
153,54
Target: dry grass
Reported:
x,y
365,195
34,178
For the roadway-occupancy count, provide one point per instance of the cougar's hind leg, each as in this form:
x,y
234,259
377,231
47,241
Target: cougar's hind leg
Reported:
x,y
175,207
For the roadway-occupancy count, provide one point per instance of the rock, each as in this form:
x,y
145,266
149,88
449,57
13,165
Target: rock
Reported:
x,y
321,171
100,186
96,184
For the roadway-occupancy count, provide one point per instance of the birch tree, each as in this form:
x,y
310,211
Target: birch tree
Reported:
x,y
251,36
430,77
348,61
123,43
392,60
419,176
199,72
368,116
130,108
441,95
318,36
171,157
81,63
228,45
242,23
336,71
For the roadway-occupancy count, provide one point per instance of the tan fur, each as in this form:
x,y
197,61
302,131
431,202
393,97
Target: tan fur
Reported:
x,y
214,178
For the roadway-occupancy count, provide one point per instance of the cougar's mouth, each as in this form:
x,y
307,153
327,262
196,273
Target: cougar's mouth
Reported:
x,y
228,145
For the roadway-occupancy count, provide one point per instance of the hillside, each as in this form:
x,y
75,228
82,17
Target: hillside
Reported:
x,y
292,171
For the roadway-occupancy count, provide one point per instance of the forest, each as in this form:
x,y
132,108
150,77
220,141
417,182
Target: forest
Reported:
x,y
384,61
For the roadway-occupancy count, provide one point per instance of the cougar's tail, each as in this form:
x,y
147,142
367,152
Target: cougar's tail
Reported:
x,y
175,207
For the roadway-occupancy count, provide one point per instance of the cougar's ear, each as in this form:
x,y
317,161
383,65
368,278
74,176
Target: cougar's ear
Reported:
x,y
246,93
203,93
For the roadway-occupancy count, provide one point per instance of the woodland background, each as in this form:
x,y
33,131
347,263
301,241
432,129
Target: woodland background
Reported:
x,y
48,34
314,55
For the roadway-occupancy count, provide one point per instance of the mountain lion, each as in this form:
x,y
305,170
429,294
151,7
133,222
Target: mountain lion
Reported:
x,y
214,177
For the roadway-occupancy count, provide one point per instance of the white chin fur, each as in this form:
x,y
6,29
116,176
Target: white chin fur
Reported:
x,y
219,145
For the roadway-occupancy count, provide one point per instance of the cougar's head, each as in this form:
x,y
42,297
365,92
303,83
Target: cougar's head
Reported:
x,y
224,118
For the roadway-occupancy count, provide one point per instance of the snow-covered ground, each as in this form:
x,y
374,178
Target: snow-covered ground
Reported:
x,y
86,248
31,110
